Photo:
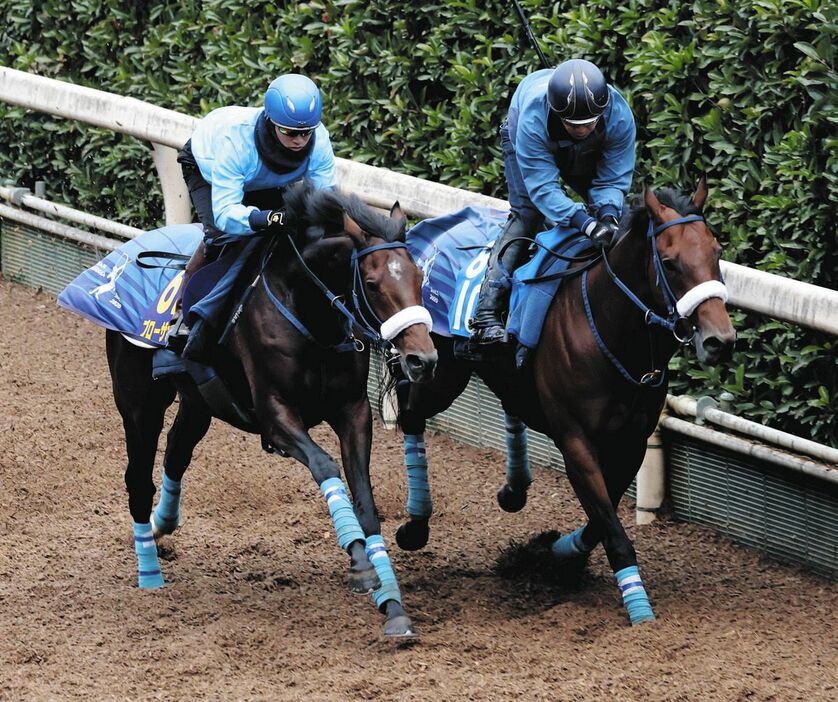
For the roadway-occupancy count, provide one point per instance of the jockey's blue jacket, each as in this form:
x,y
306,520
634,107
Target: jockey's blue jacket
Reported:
x,y
224,148
605,165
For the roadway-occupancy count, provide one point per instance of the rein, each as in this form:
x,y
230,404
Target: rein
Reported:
x,y
677,310
363,311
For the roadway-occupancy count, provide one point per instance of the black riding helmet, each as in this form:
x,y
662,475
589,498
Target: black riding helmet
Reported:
x,y
577,91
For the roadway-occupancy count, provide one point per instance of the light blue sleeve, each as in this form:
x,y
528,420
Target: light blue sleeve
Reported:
x,y
321,170
230,172
538,167
616,165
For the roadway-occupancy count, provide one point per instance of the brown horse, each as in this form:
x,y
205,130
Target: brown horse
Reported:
x,y
597,381
298,357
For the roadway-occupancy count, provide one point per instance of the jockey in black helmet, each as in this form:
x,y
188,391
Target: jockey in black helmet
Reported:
x,y
565,127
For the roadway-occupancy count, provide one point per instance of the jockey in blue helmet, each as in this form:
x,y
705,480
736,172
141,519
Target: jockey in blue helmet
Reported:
x,y
237,165
565,127
293,102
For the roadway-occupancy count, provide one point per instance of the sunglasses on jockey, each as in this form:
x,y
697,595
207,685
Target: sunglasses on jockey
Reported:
x,y
289,132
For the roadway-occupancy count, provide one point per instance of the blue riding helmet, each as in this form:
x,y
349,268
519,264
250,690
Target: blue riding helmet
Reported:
x,y
293,101
577,91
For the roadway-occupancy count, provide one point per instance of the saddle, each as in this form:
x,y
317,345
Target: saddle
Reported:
x,y
128,294
453,252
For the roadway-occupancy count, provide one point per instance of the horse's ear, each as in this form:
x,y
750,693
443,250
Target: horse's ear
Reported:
x,y
350,226
700,195
652,203
397,215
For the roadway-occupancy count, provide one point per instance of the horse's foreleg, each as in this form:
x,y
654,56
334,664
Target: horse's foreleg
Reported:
x,y
354,429
190,426
586,477
512,497
616,459
414,533
286,431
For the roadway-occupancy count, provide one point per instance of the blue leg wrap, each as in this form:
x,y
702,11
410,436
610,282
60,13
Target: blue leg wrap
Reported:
x,y
518,475
634,595
167,512
419,503
377,554
343,516
148,566
570,545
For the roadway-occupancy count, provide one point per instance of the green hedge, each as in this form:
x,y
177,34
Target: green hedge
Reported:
x,y
744,91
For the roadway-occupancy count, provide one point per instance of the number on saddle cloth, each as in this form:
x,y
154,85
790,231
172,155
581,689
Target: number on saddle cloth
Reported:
x,y
451,252
117,293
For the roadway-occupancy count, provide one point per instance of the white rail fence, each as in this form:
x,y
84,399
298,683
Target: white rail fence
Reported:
x,y
166,131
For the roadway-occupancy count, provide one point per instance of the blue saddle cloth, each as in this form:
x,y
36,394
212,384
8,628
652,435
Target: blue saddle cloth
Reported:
x,y
530,299
443,247
118,294
453,251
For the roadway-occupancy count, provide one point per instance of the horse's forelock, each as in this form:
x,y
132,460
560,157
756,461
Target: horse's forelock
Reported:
x,y
673,199
324,209
373,222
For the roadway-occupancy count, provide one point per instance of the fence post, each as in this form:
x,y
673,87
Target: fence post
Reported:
x,y
176,200
651,479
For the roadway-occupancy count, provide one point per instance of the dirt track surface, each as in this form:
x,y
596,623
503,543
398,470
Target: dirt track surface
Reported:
x,y
256,605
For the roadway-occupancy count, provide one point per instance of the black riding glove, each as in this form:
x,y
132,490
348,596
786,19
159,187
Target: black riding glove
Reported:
x,y
262,219
602,232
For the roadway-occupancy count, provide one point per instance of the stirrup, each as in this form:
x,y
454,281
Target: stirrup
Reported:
x,y
178,334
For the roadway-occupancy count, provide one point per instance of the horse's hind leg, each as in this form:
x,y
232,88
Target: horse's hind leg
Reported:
x,y
190,426
142,403
512,497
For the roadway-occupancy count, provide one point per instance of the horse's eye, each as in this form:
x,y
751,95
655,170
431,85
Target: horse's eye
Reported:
x,y
671,265
371,286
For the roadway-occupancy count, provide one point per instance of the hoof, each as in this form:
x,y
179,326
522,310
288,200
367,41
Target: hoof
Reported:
x,y
400,627
154,584
512,500
643,618
363,582
412,535
163,527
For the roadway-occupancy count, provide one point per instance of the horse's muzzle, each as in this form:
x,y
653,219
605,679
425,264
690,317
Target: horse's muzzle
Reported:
x,y
419,367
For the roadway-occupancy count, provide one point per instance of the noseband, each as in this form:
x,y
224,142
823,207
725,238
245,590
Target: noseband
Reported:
x,y
364,318
678,310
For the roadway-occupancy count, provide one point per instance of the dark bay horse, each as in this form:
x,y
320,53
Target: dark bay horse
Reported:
x,y
597,381
295,357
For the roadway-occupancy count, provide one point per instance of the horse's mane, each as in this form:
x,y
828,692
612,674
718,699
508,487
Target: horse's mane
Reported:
x,y
320,213
637,215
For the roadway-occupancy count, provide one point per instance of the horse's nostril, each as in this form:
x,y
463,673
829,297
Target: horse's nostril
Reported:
x,y
712,345
419,366
414,362
718,349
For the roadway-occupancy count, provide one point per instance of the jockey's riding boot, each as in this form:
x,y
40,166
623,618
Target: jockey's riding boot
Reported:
x,y
487,323
179,329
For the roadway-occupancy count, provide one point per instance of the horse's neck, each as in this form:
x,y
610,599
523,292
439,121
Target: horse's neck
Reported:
x,y
617,317
329,260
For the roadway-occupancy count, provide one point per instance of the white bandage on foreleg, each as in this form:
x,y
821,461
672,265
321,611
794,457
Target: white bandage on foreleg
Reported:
x,y
701,292
404,319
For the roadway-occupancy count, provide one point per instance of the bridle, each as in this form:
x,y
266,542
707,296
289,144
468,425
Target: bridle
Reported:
x,y
362,316
677,310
